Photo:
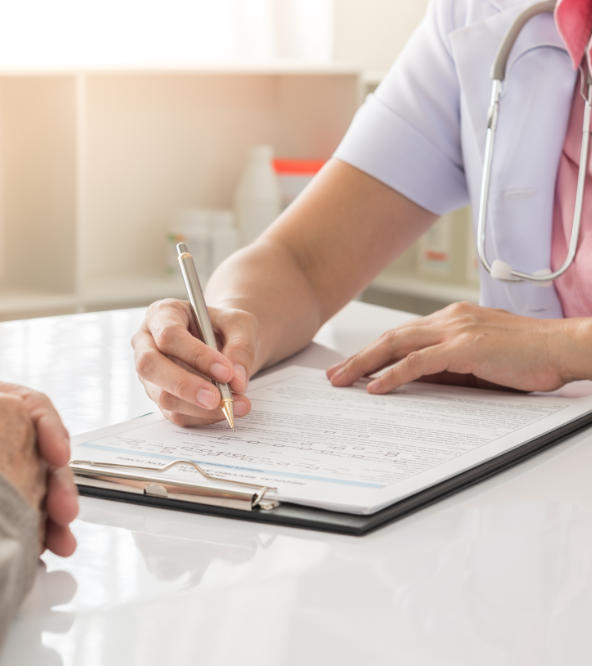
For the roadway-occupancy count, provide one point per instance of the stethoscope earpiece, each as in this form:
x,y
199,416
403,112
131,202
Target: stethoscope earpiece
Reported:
x,y
500,270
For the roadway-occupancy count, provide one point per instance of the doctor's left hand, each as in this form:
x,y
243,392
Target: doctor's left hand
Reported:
x,y
469,345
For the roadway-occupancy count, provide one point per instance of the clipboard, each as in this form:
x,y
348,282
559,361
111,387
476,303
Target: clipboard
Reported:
x,y
245,501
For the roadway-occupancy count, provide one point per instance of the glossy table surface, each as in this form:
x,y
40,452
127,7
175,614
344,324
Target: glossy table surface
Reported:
x,y
497,574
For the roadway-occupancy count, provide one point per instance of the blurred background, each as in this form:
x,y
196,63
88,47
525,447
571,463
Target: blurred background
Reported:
x,y
126,126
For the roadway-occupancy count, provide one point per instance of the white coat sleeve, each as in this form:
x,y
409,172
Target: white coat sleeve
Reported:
x,y
407,134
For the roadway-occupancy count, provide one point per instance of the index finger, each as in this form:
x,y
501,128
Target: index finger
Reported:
x,y
170,325
156,368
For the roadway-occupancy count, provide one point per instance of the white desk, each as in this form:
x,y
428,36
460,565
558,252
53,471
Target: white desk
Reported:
x,y
498,574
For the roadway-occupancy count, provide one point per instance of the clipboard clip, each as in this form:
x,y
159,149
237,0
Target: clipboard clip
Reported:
x,y
243,496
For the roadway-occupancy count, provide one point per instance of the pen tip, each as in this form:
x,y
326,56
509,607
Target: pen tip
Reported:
x,y
228,413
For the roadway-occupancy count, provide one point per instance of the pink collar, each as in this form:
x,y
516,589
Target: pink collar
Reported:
x,y
574,22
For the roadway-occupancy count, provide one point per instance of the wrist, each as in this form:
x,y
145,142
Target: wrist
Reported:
x,y
575,348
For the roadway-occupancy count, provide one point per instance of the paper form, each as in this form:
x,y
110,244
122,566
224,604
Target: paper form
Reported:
x,y
341,448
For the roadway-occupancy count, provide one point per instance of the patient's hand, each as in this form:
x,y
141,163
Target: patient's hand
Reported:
x,y
34,452
20,463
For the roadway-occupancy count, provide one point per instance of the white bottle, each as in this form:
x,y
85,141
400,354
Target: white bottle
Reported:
x,y
435,250
191,226
224,235
257,199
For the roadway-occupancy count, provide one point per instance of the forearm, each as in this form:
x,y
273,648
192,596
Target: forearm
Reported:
x,y
265,280
18,551
321,252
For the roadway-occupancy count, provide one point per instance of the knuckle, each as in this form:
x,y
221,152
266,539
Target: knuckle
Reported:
x,y
351,364
467,337
463,309
182,387
460,308
166,400
166,338
135,339
198,355
17,423
243,351
164,304
39,398
390,337
146,361
413,359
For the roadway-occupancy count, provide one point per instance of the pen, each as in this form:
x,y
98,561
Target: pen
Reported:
x,y
202,320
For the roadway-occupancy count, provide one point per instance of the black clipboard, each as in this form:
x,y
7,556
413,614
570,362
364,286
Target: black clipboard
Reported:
x,y
295,515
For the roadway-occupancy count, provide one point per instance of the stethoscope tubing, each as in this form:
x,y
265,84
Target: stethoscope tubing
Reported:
x,y
498,73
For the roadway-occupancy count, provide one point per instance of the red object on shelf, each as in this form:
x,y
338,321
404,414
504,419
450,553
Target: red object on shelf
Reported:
x,y
436,256
290,167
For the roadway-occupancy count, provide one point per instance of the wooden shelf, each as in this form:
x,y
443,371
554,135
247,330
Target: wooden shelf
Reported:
x,y
16,303
131,289
279,68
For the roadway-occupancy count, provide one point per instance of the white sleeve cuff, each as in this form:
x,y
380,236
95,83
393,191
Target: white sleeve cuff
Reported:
x,y
385,146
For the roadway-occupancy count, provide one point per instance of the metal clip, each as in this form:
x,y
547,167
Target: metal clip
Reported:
x,y
101,474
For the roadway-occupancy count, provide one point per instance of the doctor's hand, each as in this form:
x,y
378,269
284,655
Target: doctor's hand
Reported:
x,y
34,453
468,345
175,366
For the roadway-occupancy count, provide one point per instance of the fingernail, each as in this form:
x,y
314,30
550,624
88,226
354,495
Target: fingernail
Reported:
x,y
240,408
338,375
220,372
374,386
208,398
240,372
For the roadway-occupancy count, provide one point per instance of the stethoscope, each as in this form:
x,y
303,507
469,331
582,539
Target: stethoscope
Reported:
x,y
500,269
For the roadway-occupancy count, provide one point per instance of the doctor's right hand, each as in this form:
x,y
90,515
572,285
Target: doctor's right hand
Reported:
x,y
176,367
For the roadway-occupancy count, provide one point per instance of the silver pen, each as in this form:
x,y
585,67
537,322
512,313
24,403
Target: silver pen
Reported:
x,y
202,320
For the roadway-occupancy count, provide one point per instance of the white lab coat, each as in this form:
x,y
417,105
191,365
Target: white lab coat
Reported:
x,y
423,133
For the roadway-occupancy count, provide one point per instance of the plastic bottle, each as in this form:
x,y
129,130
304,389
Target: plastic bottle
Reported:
x,y
224,236
257,199
443,248
211,235
191,226
293,176
435,250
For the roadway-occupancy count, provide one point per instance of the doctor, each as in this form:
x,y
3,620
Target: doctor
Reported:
x,y
415,150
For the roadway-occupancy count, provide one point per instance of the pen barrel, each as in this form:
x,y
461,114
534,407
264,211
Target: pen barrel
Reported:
x,y
201,315
225,391
196,298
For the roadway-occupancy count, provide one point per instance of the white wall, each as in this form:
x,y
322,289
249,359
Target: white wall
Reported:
x,y
371,33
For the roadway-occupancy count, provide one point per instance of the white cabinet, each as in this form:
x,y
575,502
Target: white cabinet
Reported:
x,y
94,165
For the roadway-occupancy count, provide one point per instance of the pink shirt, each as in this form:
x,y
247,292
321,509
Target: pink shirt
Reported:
x,y
574,287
